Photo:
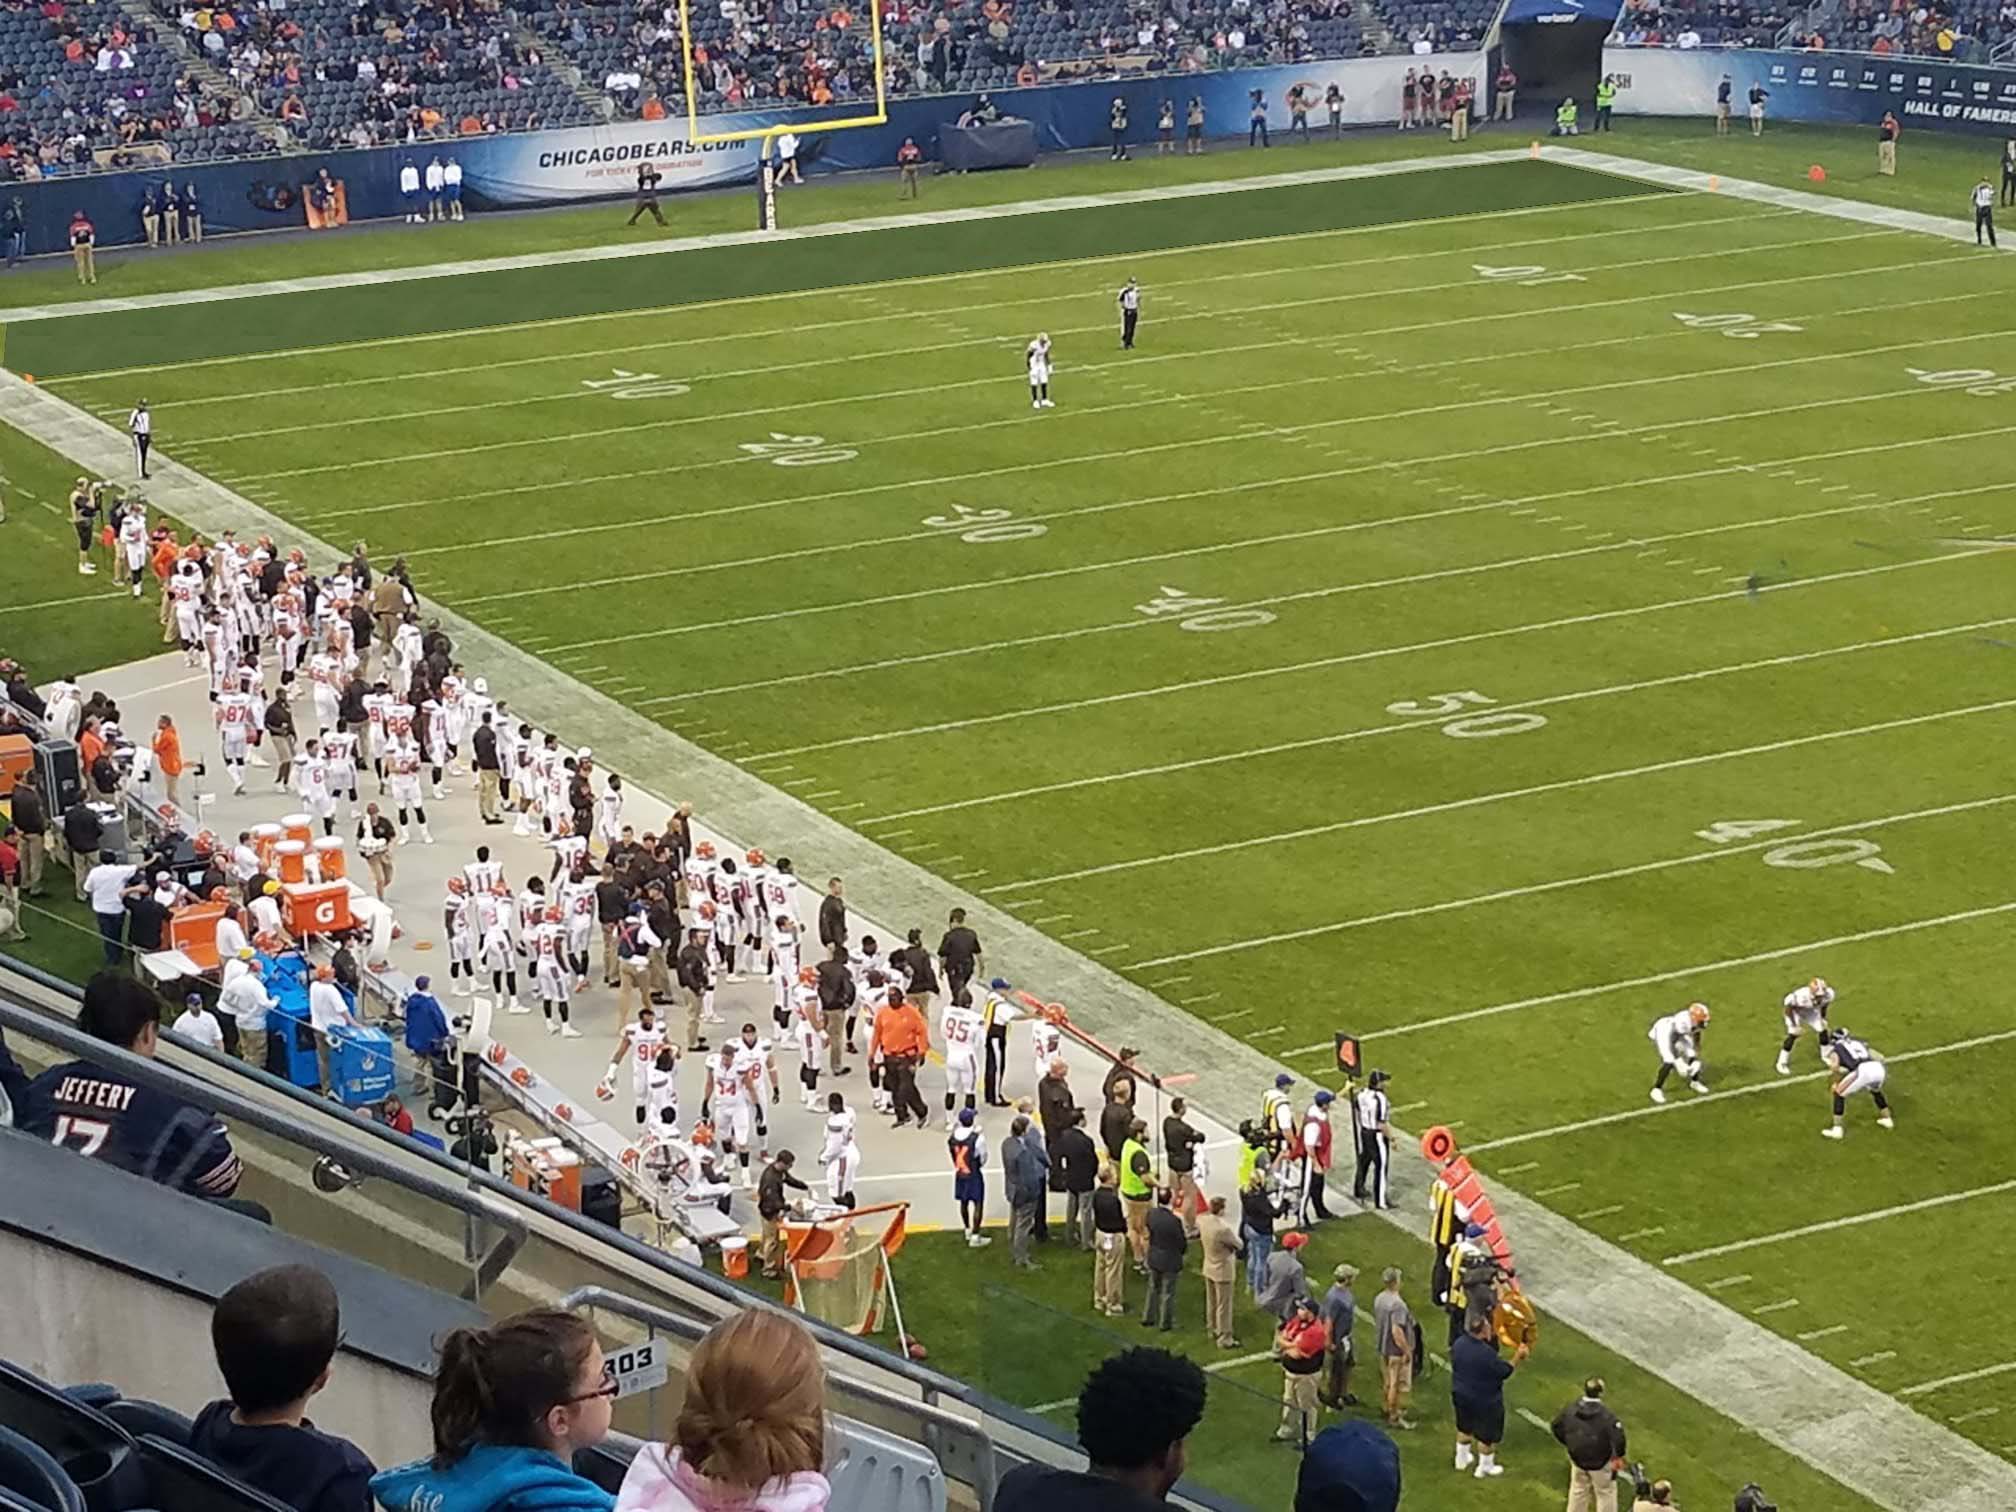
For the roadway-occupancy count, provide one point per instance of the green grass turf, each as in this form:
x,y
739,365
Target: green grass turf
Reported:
x,y
1029,1338
1733,564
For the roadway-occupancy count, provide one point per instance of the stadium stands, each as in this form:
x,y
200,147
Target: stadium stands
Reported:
x,y
85,85
1959,31
336,74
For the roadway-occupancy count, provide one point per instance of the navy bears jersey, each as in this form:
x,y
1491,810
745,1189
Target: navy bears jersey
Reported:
x,y
98,1112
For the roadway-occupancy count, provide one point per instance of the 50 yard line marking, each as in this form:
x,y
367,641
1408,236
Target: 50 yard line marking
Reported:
x,y
1553,700
1504,795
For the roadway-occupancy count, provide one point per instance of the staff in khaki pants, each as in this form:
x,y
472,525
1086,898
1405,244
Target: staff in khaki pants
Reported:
x,y
1109,1245
1595,1442
1886,145
1221,1250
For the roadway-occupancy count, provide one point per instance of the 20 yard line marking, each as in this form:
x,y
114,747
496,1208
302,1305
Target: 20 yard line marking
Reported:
x,y
1504,795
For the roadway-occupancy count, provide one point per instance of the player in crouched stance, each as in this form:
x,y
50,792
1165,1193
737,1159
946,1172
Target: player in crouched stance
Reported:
x,y
1805,1008
1038,357
1857,1069
1678,1039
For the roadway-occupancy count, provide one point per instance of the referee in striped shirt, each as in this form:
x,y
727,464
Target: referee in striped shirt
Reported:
x,y
1129,300
141,426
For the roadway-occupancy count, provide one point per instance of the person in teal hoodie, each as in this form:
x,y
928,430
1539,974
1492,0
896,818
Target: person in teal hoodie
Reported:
x,y
512,1403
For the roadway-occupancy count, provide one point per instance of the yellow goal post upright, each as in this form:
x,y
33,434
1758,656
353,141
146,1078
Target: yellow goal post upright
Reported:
x,y
766,196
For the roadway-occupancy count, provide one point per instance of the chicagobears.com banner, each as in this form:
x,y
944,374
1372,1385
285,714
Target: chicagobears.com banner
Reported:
x,y
594,161
1809,86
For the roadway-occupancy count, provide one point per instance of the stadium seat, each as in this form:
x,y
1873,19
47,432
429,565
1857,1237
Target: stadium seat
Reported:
x,y
604,1465
95,1452
142,1418
31,1477
179,1481
874,1471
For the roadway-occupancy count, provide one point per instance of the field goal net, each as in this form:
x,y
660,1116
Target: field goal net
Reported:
x,y
836,1268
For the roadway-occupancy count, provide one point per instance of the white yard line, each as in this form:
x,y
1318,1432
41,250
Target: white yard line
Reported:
x,y
1368,732
1473,502
1832,1225
1508,795
1191,553
1961,1379
673,246
676,314
1503,894
546,489
1137,622
1649,1110
993,379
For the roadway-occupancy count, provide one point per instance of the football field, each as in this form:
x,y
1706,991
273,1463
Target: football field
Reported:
x,y
1488,610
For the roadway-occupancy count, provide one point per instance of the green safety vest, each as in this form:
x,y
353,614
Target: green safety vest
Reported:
x,y
1132,1185
1565,115
1606,95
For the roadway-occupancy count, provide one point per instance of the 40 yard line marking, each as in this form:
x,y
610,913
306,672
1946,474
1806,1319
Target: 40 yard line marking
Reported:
x,y
1505,795
1503,894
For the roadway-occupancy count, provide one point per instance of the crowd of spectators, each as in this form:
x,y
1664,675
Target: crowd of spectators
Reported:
x,y
83,85
1962,31
1689,24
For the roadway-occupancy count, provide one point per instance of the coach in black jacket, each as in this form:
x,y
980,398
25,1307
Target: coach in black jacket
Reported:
x,y
1594,1439
836,996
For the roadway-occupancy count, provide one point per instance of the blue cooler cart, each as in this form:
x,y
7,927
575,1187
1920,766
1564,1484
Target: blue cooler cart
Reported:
x,y
290,1046
360,1061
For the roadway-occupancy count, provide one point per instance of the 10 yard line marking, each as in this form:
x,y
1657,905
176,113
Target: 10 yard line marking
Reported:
x,y
1245,313
1503,795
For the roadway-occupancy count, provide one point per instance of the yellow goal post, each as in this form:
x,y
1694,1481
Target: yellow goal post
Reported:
x,y
698,138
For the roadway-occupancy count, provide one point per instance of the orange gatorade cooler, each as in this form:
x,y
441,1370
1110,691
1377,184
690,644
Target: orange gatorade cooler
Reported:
x,y
329,858
298,827
292,856
735,1257
264,838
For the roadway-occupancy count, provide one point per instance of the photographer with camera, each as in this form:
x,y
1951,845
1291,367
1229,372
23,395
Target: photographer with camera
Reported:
x,y
1594,1439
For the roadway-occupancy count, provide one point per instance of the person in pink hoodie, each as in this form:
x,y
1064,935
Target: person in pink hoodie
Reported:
x,y
751,1433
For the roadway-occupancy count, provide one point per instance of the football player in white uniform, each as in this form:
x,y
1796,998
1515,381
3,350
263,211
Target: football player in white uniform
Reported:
x,y
641,1042
455,925
729,1106
556,986
808,1036
403,762
577,900
1038,358
1805,1008
962,1029
1678,1038
786,966
311,785
340,751
841,1155
757,1066
1047,1041
1857,1068
609,813
659,1112
236,714
497,946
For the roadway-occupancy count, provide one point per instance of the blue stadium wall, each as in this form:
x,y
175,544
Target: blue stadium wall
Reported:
x,y
1825,87
587,163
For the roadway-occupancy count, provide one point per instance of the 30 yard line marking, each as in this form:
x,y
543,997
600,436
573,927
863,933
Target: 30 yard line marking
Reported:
x,y
1368,732
1852,1220
1558,884
1505,795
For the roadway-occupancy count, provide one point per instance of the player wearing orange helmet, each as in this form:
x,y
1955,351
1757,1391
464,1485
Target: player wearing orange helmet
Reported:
x,y
1678,1039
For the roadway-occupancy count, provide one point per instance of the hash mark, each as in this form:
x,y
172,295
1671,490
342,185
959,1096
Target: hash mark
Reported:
x,y
1874,1359
1774,1307
1822,1333
1727,1281
1566,1186
1644,1233
1601,1212
1514,1170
